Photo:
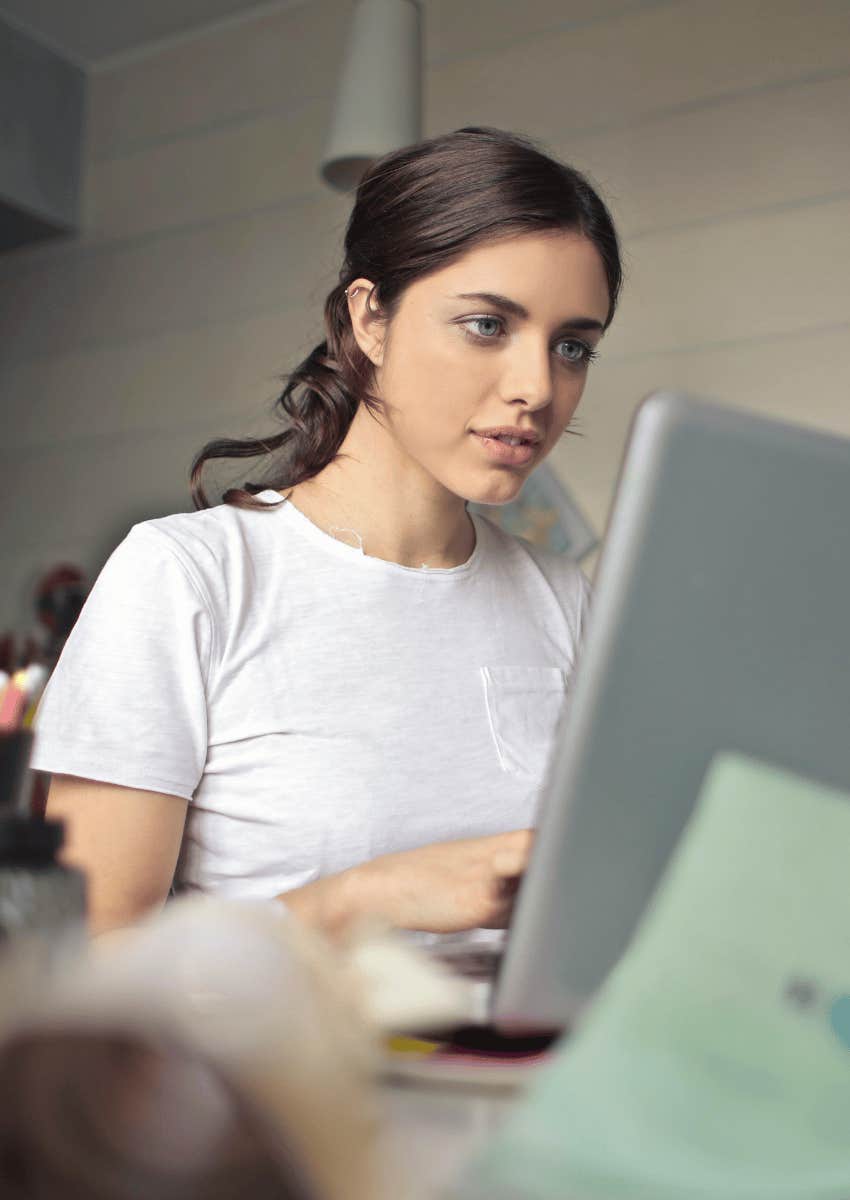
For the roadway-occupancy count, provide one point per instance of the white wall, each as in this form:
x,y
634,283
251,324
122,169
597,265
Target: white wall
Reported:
x,y
716,128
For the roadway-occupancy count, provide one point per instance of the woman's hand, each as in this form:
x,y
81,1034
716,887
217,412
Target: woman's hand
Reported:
x,y
444,887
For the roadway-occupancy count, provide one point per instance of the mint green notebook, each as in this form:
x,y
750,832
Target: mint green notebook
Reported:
x,y
715,1064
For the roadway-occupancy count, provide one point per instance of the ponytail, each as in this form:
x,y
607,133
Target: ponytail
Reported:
x,y
318,405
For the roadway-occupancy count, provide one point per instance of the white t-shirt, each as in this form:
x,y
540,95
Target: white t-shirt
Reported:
x,y
317,706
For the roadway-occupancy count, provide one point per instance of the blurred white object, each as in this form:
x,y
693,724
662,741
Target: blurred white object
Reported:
x,y
401,988
379,99
290,1020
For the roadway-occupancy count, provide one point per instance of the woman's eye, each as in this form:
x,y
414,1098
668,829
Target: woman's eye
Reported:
x,y
486,321
577,352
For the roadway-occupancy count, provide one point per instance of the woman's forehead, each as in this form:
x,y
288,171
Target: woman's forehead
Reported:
x,y
561,265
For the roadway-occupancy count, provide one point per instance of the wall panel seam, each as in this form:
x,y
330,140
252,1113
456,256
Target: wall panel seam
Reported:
x,y
127,243
132,242
704,103
626,357
738,214
202,129
126,58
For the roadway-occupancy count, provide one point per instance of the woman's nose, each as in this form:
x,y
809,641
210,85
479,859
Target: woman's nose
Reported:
x,y
528,375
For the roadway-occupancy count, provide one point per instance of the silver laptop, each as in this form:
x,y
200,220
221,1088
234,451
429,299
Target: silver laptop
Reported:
x,y
721,620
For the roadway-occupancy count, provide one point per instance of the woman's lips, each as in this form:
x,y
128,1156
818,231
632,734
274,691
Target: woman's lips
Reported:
x,y
502,452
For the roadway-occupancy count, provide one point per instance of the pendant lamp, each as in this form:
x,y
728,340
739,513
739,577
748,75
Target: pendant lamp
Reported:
x,y
379,97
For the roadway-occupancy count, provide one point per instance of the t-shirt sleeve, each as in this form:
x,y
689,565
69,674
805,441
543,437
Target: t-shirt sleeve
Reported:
x,y
126,703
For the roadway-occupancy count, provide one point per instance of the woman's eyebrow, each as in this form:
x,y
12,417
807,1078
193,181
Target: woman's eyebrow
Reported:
x,y
517,310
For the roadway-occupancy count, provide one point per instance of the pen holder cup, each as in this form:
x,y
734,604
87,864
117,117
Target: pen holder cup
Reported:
x,y
15,751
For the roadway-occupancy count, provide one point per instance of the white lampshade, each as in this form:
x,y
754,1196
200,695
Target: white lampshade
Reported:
x,y
379,101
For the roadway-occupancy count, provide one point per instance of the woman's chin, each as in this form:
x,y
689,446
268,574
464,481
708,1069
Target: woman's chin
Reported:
x,y
503,491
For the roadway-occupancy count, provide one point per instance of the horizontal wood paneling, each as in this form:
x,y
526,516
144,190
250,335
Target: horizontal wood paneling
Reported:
x,y
790,145
276,61
271,63
100,486
232,268
219,173
225,377
664,57
733,280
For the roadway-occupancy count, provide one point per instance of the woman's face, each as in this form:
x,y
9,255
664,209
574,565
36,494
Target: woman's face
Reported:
x,y
499,341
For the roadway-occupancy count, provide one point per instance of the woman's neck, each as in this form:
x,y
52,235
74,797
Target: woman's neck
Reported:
x,y
374,497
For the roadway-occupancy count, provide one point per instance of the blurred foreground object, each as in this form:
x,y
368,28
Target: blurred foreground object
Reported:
x,y
103,1115
715,1063
219,1049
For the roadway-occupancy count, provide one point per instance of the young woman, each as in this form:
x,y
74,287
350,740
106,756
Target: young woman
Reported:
x,y
339,687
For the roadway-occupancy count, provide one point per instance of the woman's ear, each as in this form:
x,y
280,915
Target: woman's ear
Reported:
x,y
367,323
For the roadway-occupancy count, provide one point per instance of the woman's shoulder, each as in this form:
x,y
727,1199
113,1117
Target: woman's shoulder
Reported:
x,y
210,544
557,568
214,527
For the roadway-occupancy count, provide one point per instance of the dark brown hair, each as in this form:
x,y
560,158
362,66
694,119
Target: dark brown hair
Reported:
x,y
416,210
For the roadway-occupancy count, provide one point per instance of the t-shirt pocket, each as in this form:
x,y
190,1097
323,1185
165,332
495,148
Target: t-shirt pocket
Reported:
x,y
524,707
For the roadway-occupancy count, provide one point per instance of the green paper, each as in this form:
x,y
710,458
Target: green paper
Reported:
x,y
715,1063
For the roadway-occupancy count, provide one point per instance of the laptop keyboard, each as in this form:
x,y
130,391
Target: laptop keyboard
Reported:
x,y
479,962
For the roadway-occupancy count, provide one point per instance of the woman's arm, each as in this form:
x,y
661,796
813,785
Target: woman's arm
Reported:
x,y
444,887
127,842
124,839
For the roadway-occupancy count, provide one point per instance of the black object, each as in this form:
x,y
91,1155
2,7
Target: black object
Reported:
x,y
38,894
15,750
478,1040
